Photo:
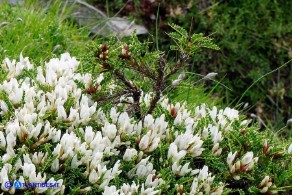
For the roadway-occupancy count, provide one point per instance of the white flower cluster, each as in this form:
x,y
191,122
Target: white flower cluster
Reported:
x,y
201,184
52,110
246,163
38,104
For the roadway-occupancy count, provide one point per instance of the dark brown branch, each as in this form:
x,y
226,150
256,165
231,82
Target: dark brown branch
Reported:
x,y
142,69
158,86
179,65
136,93
110,97
122,78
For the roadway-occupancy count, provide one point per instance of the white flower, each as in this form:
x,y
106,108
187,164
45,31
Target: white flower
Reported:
x,y
115,170
144,170
40,76
202,183
213,113
289,121
38,158
231,113
129,154
89,134
61,112
182,75
29,171
265,184
210,75
9,154
216,150
245,122
290,149
180,170
3,106
114,115
216,135
247,158
4,177
55,165
144,142
2,141
93,176
11,140
231,157
264,181
99,78
55,190
174,154
176,82
112,190
109,130
36,131
129,189
192,144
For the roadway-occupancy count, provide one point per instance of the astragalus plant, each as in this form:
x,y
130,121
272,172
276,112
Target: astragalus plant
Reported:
x,y
113,130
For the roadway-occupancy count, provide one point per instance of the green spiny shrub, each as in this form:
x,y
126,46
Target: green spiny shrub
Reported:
x,y
111,128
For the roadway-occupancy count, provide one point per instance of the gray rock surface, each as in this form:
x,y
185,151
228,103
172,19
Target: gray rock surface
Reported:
x,y
98,22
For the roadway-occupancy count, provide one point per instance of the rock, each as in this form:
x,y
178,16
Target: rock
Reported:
x,y
97,22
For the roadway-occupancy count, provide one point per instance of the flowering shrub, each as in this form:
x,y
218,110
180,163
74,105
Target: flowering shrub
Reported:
x,y
54,130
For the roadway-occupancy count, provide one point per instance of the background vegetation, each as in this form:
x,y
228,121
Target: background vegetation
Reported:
x,y
254,37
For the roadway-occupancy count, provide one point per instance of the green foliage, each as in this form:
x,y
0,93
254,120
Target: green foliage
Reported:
x,y
255,38
189,45
39,32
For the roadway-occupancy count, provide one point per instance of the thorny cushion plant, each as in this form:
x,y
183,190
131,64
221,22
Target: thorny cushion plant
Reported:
x,y
110,131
